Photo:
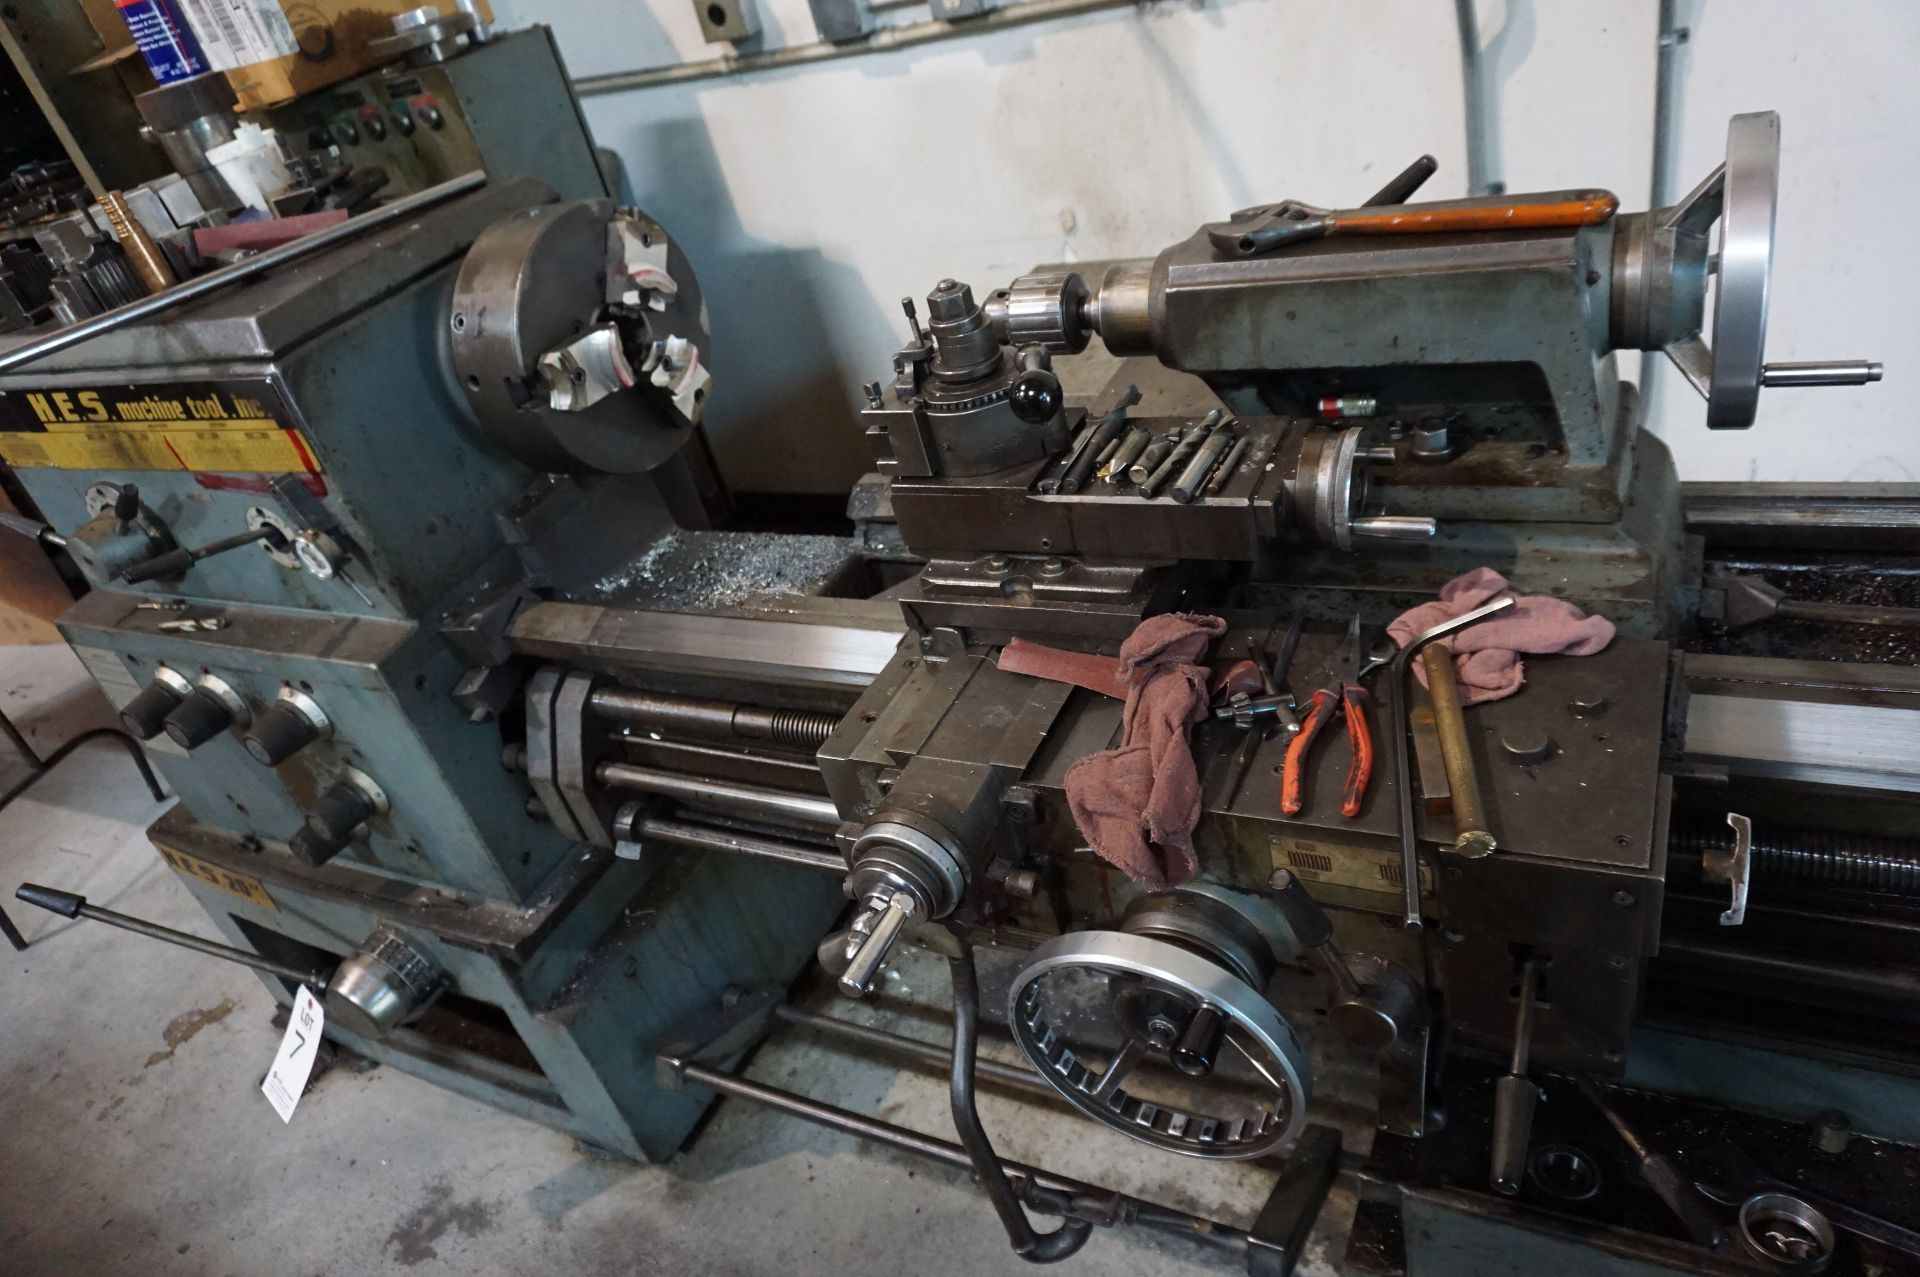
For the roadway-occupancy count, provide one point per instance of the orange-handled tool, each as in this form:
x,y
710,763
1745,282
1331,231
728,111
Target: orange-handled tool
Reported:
x,y
1347,697
1253,231
1293,769
1354,702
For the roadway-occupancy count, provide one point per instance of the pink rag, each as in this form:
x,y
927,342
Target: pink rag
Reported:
x,y
1486,657
1138,803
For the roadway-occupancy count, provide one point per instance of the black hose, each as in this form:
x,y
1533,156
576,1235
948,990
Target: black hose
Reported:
x,y
1035,1248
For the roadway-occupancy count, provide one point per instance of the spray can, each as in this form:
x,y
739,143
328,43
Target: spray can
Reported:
x,y
165,39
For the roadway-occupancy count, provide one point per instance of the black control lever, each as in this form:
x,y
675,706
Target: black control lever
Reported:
x,y
1036,396
126,507
1308,922
1405,183
1515,1095
176,561
1661,1175
70,905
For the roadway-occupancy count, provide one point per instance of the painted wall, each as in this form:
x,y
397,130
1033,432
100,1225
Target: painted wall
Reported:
x,y
812,199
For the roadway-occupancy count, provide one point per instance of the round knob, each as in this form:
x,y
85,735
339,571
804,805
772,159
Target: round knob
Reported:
x,y
146,713
1036,397
279,734
198,718
1526,747
332,822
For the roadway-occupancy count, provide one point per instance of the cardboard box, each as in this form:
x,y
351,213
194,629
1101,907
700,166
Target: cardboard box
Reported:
x,y
275,50
31,591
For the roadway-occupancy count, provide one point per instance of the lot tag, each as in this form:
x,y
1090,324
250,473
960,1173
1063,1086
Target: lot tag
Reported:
x,y
293,1062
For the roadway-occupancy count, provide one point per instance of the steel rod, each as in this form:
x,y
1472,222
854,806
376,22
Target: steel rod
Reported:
x,y
678,753
1477,90
1849,613
714,719
885,40
707,839
1024,1079
1797,978
1149,1214
68,905
212,282
777,805
1019,1077
1823,372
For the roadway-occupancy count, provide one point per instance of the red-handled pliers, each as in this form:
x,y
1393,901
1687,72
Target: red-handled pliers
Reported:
x,y
1345,696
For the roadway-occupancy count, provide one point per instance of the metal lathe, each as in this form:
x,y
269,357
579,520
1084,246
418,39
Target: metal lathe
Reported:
x,y
494,724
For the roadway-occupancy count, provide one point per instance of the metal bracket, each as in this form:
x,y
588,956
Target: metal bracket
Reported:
x,y
1279,1235
727,21
1733,867
838,21
1403,1081
577,753
960,10
542,730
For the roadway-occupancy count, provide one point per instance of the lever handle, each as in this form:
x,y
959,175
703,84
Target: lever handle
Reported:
x,y
1036,396
174,562
1395,527
864,967
69,905
1200,1044
1405,183
1822,372
1515,1095
39,531
52,899
1308,922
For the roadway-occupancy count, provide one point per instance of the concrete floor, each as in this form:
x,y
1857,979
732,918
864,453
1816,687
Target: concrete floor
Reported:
x,y
133,1134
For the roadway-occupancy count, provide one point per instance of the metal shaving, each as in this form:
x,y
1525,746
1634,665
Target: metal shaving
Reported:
x,y
694,571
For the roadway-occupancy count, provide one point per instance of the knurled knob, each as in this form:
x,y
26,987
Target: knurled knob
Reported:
x,y
198,718
279,734
343,808
1047,309
146,714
